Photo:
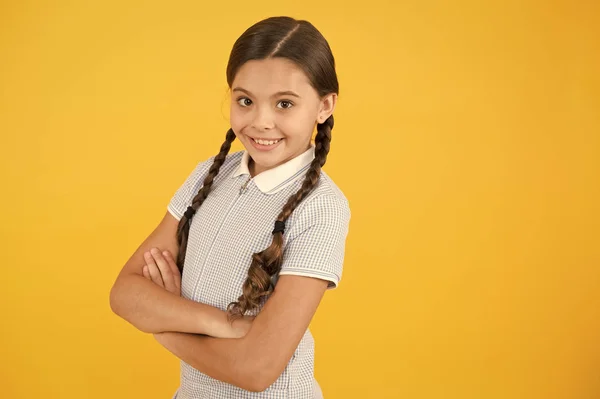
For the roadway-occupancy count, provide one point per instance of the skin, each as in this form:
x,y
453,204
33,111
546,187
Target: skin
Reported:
x,y
153,309
258,111
256,359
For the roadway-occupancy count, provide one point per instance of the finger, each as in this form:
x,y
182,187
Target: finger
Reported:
x,y
165,269
146,273
153,269
174,268
155,275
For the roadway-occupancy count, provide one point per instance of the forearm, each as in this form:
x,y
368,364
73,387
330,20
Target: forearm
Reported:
x,y
152,309
255,361
229,360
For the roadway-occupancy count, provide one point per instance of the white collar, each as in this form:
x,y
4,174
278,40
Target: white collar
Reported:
x,y
272,180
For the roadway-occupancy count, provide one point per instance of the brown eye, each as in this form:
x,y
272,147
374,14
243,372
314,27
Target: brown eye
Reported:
x,y
288,104
244,101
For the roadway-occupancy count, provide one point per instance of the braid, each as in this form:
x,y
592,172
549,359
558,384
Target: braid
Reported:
x,y
183,228
267,263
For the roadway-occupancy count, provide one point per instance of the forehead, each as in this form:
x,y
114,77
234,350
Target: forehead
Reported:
x,y
272,75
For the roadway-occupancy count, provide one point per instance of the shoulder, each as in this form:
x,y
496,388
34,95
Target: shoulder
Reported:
x,y
326,193
326,205
202,167
232,159
327,186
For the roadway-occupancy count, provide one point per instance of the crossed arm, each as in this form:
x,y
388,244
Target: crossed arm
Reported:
x,y
252,361
256,360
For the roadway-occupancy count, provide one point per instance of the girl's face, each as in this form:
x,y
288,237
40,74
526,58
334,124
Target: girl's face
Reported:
x,y
273,102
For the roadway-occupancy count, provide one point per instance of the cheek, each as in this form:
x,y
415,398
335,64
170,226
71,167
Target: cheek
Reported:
x,y
238,119
298,125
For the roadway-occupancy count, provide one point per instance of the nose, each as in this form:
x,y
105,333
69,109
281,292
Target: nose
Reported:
x,y
263,119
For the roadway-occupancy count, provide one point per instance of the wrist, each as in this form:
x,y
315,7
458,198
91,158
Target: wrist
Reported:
x,y
213,322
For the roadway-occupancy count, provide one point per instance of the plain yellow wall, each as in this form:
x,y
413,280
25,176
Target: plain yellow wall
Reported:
x,y
467,140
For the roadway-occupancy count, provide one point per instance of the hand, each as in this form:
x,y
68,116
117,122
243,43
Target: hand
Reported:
x,y
162,270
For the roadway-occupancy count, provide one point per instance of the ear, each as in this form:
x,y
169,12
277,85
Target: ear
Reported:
x,y
326,107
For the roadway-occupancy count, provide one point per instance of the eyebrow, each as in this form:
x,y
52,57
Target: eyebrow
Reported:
x,y
279,93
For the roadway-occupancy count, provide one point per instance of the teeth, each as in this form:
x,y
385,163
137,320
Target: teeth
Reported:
x,y
263,142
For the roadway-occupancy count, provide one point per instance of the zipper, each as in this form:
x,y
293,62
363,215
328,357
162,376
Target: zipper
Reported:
x,y
196,295
243,189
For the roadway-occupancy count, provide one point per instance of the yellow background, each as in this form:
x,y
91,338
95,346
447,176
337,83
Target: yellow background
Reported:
x,y
467,140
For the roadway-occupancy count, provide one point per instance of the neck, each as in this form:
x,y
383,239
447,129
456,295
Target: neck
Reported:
x,y
251,167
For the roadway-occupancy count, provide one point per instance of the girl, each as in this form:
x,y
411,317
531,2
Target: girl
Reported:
x,y
266,226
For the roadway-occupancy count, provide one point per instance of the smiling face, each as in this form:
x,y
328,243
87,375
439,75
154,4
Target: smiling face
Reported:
x,y
274,111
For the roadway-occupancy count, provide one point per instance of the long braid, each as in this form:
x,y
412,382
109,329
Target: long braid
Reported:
x,y
267,263
183,228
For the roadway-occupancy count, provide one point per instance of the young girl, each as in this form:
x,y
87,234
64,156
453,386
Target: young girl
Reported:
x,y
265,226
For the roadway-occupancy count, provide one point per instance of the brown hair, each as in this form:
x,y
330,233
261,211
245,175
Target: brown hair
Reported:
x,y
300,42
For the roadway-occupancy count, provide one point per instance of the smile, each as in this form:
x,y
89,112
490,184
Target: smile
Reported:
x,y
266,142
265,145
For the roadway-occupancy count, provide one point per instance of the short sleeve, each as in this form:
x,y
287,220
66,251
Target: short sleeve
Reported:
x,y
188,190
318,239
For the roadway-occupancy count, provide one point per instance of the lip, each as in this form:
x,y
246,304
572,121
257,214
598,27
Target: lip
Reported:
x,y
262,147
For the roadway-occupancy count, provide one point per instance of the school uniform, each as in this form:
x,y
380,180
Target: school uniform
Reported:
x,y
235,221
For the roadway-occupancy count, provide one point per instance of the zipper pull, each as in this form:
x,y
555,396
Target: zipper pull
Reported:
x,y
243,188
